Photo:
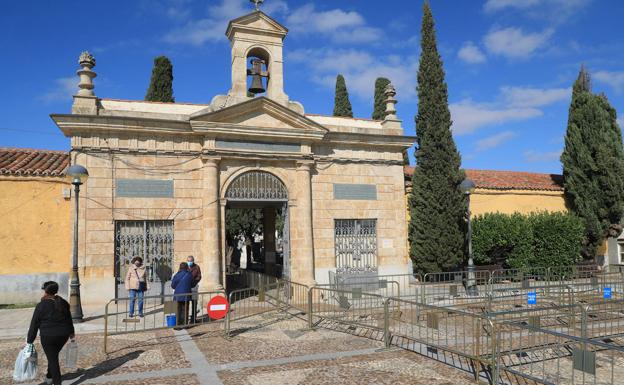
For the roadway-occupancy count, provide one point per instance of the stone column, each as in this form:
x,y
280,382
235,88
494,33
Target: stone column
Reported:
x,y
211,255
305,252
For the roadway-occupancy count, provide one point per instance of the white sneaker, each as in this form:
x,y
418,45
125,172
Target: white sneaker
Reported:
x,y
48,380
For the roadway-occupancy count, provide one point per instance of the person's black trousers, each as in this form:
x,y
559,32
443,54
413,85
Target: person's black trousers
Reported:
x,y
52,346
182,314
194,311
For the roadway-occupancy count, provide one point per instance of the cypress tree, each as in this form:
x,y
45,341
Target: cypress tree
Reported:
x,y
379,107
342,105
437,206
161,84
593,165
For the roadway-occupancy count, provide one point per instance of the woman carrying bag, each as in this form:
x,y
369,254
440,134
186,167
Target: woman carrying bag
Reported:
x,y
52,319
136,284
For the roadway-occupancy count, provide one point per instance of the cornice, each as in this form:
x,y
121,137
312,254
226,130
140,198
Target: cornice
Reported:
x,y
71,124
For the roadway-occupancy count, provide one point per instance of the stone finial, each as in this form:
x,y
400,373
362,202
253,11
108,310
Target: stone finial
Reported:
x,y
257,3
390,93
86,61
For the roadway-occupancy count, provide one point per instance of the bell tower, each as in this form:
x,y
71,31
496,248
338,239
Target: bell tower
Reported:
x,y
257,63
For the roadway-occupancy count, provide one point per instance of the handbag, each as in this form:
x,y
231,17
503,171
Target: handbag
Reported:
x,y
142,285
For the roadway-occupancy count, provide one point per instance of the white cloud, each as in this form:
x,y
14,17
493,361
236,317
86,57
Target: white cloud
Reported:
x,y
534,97
497,5
63,90
512,104
470,53
212,28
494,140
469,116
554,10
514,43
614,79
620,121
539,157
360,69
336,24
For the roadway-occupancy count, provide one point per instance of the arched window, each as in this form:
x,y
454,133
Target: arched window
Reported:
x,y
257,186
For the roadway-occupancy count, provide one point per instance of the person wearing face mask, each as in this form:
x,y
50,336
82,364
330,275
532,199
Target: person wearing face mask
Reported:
x,y
136,284
196,272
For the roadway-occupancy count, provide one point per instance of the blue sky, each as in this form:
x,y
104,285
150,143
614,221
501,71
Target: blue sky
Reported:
x,y
509,63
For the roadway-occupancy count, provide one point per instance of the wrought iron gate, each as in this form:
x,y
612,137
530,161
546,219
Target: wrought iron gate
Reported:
x,y
150,240
356,245
264,188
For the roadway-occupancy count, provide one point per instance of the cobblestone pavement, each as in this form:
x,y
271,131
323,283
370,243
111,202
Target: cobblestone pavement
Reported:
x,y
282,351
391,367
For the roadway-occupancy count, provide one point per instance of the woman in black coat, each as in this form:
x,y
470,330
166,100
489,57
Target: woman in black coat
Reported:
x,y
53,321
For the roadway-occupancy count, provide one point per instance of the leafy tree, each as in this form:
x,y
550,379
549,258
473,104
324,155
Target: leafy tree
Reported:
x,y
593,165
245,222
342,105
379,107
437,206
161,84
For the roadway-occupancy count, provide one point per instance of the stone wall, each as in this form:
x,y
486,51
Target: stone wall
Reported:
x,y
96,240
388,209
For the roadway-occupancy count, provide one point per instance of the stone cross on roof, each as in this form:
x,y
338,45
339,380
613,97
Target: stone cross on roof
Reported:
x,y
257,3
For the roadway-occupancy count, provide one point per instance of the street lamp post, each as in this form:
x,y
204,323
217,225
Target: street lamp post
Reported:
x,y
77,175
467,186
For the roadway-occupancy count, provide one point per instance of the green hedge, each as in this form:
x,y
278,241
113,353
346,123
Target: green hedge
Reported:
x,y
536,239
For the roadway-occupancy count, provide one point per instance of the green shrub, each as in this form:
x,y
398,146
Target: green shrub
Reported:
x,y
522,241
501,238
558,239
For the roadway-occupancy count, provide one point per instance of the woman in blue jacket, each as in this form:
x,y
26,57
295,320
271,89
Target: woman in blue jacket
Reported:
x,y
182,284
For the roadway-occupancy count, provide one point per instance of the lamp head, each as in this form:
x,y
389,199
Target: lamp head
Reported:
x,y
76,174
467,186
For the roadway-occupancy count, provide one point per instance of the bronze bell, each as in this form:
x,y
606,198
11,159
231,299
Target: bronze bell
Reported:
x,y
256,85
257,74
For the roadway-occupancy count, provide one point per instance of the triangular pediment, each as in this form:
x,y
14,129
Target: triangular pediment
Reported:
x,y
257,20
260,112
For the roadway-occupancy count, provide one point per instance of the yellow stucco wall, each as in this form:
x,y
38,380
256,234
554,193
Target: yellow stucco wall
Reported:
x,y
35,226
510,201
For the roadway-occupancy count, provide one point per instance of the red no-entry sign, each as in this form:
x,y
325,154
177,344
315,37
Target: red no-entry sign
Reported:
x,y
217,307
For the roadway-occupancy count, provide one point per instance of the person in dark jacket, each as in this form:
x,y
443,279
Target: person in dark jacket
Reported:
x,y
196,273
52,319
182,284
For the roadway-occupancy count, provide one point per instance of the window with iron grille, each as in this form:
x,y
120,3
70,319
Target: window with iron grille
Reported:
x,y
356,245
150,240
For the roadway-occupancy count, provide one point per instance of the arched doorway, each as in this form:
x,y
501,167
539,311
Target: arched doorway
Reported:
x,y
256,218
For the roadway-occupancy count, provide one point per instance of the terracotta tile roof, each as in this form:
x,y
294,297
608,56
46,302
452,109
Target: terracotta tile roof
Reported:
x,y
510,180
30,162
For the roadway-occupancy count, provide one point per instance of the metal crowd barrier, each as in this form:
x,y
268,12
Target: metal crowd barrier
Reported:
x,y
528,353
155,311
571,332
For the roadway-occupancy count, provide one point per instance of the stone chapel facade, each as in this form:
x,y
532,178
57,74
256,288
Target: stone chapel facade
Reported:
x,y
162,176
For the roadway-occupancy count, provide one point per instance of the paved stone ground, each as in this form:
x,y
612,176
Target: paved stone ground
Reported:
x,y
281,351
